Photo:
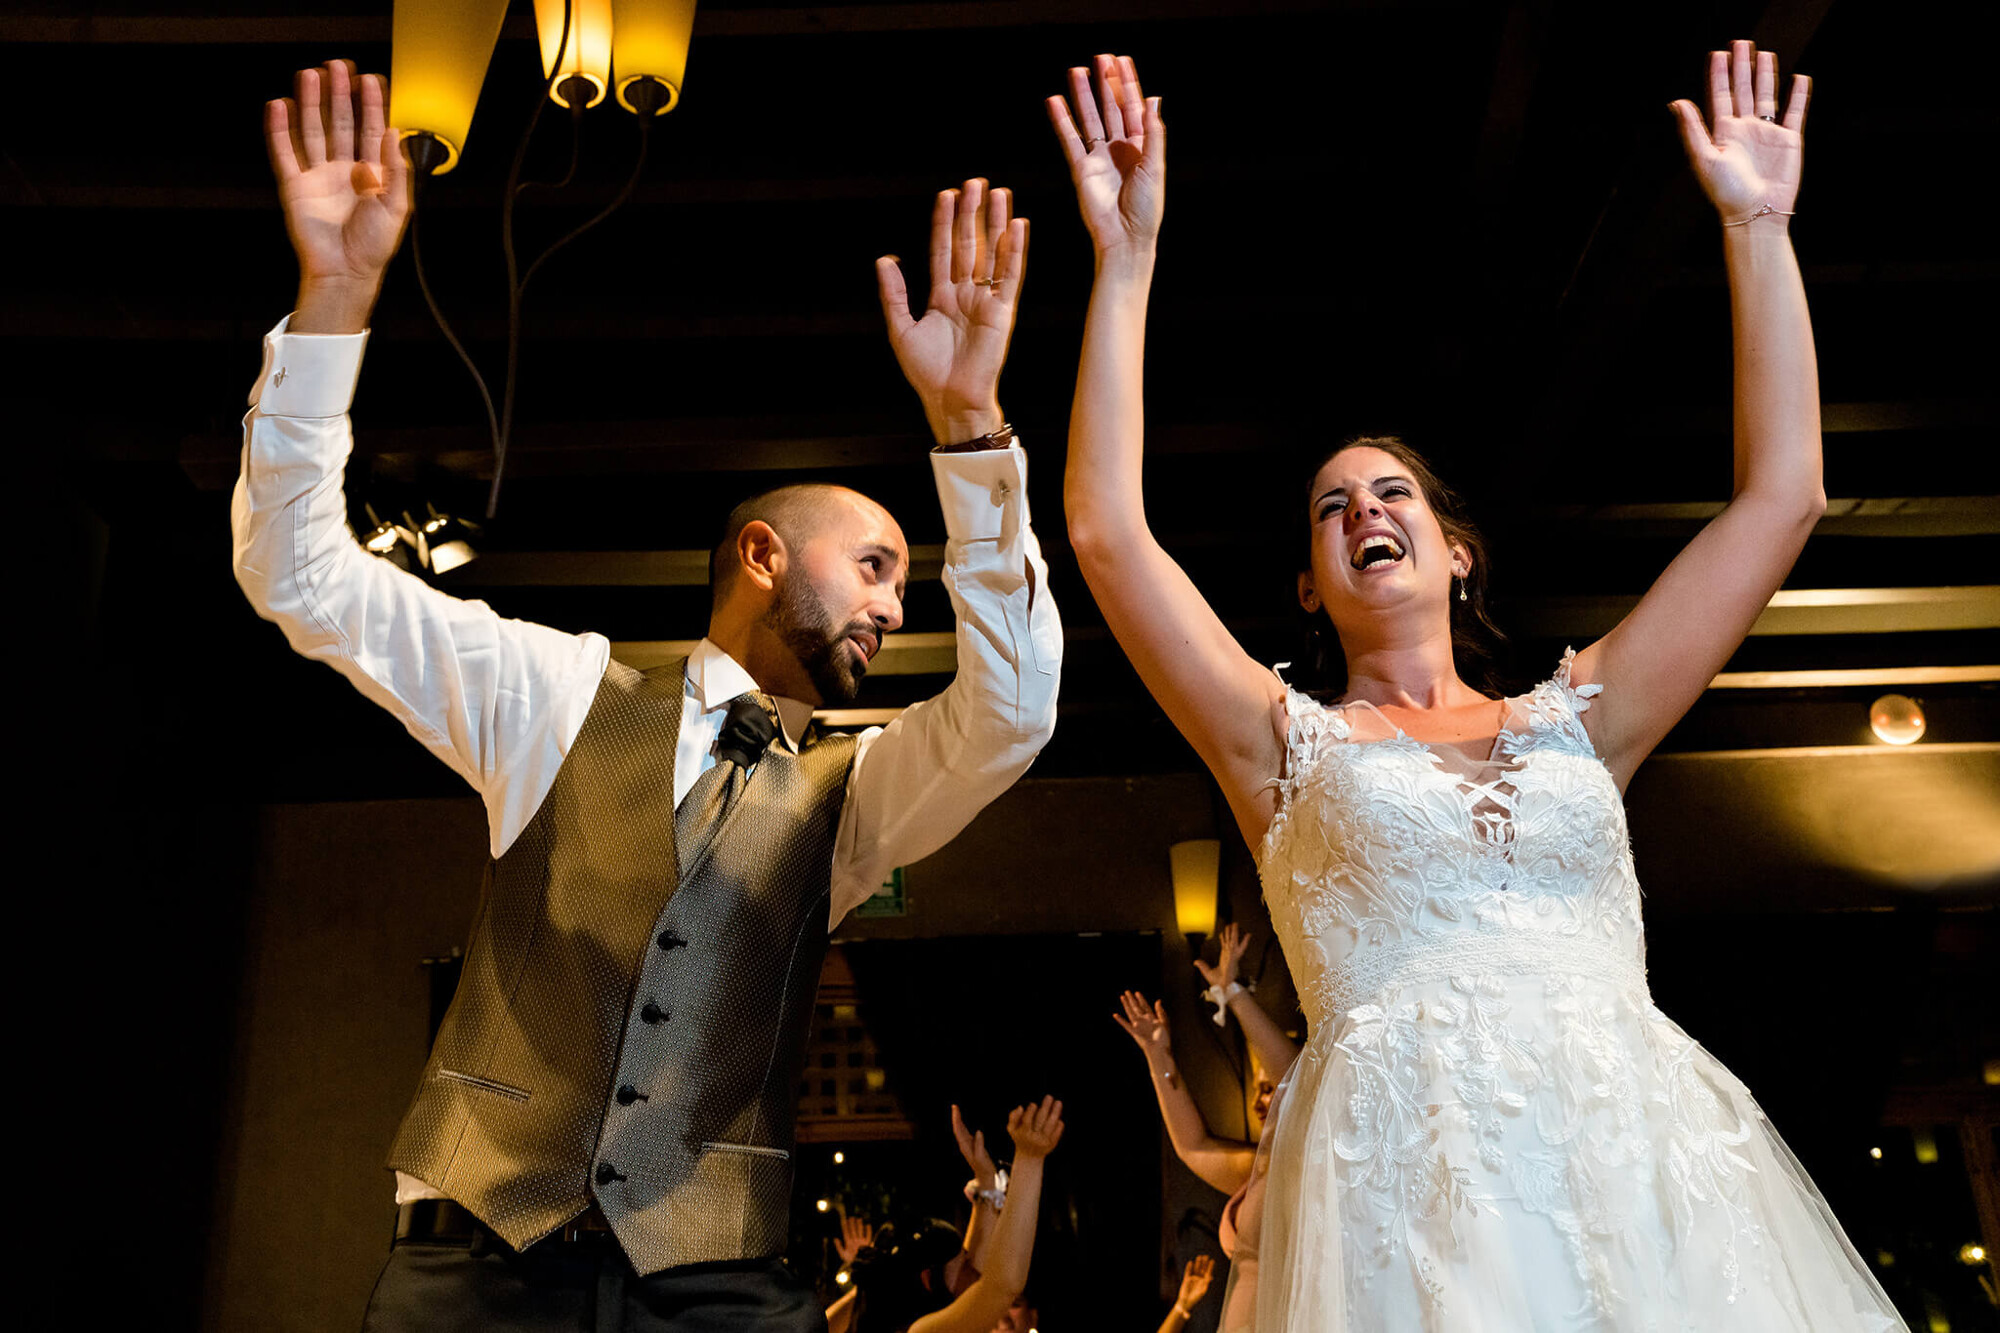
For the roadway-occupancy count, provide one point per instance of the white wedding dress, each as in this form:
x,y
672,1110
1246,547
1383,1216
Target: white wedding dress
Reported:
x,y
1491,1127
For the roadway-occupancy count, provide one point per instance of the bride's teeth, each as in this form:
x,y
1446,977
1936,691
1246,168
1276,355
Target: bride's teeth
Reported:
x,y
1390,544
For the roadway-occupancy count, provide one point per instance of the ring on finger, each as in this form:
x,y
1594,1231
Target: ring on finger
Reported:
x,y
1772,119
986,282
1091,143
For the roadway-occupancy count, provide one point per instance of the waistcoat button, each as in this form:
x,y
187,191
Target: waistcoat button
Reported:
x,y
606,1173
652,1013
670,941
627,1095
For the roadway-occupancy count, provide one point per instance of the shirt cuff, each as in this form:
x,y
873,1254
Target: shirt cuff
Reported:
x,y
981,491
307,374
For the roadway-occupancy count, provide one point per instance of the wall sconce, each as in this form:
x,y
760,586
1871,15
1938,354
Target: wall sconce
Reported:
x,y
1897,719
649,41
438,60
583,28
438,54
1197,867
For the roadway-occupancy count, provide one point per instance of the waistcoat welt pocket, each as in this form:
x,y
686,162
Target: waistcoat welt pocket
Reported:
x,y
506,1090
748,1149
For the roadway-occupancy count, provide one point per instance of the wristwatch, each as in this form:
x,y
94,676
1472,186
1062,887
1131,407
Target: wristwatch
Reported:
x,y
992,439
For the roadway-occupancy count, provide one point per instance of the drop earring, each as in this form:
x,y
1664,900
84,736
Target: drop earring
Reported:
x,y
1461,587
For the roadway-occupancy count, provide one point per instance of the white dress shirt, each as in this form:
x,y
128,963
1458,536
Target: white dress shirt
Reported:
x,y
501,700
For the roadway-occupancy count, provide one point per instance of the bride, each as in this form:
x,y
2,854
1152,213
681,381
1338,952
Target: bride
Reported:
x,y
1491,1127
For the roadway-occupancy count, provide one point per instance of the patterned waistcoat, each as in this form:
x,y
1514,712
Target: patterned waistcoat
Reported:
x,y
622,1035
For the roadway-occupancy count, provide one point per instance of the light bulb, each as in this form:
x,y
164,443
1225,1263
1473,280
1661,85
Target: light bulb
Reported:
x,y
1896,718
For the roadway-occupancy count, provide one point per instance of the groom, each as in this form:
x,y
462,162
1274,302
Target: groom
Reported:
x,y
602,1135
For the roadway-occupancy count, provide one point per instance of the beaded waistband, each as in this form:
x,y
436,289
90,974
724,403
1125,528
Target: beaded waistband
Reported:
x,y
1372,969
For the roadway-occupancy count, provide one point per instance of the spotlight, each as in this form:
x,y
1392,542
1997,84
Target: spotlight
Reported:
x,y
843,1277
449,540
823,1205
1876,1153
1972,1252
1896,718
839,1157
400,546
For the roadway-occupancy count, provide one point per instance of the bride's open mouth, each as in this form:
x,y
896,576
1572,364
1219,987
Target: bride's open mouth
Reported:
x,y
1377,551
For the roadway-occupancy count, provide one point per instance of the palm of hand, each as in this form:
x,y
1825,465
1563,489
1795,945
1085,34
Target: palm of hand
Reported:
x,y
1036,1129
1755,165
959,345
1121,198
341,219
1232,945
1145,1024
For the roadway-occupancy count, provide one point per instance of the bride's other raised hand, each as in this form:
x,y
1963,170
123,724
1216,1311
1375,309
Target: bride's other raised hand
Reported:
x,y
1748,156
1116,146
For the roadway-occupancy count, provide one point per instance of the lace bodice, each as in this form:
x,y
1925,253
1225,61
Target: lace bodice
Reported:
x,y
1388,854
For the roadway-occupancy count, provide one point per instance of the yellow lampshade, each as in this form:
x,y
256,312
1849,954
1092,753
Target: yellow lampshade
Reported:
x,y
588,51
1197,868
439,51
649,40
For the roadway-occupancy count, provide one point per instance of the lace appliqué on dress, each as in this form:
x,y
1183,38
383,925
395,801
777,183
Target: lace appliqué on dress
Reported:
x,y
1413,903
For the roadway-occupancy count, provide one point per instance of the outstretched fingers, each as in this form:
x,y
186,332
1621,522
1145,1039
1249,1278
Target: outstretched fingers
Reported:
x,y
1694,135
1767,86
1742,94
1111,99
1011,263
993,232
1092,125
894,294
1065,128
1719,104
368,148
280,139
966,244
340,110
1795,109
944,214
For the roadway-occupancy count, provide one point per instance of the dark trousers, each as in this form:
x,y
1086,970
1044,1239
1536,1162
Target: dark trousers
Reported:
x,y
585,1285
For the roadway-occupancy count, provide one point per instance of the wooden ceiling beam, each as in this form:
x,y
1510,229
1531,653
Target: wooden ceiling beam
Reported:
x,y
338,31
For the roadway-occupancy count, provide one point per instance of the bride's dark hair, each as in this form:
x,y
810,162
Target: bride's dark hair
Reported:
x,y
1475,639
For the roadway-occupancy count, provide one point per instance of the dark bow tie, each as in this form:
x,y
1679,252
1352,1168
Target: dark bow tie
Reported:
x,y
748,730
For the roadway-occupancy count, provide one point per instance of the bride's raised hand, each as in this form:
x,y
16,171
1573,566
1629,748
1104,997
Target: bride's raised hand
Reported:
x,y
1747,159
1118,158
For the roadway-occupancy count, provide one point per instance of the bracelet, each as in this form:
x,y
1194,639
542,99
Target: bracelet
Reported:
x,y
997,1195
1219,996
992,439
1764,212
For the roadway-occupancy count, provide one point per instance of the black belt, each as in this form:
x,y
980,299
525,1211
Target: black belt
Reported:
x,y
446,1222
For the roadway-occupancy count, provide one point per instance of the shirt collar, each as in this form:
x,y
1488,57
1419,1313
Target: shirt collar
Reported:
x,y
714,678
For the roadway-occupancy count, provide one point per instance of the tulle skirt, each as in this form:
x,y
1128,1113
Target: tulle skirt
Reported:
x,y
1510,1154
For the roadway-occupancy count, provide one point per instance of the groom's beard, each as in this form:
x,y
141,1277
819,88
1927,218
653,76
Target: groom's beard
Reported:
x,y
802,622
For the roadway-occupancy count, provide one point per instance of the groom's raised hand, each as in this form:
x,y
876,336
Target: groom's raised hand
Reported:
x,y
952,355
345,188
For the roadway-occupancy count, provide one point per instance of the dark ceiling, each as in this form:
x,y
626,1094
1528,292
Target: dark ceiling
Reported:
x,y
1468,223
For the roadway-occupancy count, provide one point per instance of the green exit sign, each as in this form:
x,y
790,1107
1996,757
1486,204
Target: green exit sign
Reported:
x,y
888,899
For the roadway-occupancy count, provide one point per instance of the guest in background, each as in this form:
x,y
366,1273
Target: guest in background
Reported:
x,y
985,1193
1230,1165
901,1280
